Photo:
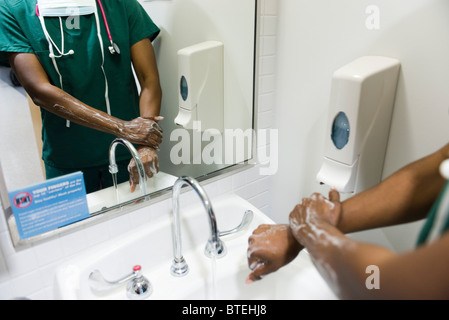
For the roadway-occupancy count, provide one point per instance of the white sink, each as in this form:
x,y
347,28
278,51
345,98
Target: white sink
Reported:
x,y
151,247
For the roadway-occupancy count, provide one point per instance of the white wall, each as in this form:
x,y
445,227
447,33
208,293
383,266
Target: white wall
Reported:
x,y
317,37
205,20
18,143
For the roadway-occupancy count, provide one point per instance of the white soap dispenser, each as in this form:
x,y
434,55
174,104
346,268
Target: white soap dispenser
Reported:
x,y
201,86
361,106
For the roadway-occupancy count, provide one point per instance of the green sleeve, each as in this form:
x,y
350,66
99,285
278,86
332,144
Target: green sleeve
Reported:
x,y
140,24
12,38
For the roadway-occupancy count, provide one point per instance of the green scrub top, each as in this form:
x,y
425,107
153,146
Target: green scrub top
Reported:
x,y
77,146
439,208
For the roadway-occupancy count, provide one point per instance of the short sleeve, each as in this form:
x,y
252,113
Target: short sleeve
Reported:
x,y
12,38
140,24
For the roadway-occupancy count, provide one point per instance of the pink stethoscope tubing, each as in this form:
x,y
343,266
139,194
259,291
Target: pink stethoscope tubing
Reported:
x,y
105,21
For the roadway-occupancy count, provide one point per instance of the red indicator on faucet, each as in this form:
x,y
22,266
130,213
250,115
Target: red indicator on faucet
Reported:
x,y
137,268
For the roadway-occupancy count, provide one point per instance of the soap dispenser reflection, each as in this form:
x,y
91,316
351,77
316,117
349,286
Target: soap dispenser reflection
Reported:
x,y
201,86
360,112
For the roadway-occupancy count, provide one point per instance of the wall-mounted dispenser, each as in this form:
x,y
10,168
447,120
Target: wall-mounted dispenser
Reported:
x,y
361,106
201,86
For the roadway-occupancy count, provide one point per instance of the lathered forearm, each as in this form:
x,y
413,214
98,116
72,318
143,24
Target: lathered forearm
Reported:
x,y
62,104
35,81
140,131
346,264
340,260
357,270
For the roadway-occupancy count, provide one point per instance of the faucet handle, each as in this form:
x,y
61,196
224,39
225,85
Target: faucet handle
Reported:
x,y
138,286
98,283
246,220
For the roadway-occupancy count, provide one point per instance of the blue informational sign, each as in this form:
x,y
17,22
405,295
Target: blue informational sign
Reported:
x,y
49,205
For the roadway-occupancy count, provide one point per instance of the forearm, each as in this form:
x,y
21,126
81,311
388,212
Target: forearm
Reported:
x,y
49,97
357,270
64,105
144,61
343,262
150,100
405,196
35,81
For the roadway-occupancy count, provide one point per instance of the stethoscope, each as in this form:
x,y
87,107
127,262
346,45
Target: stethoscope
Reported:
x,y
113,48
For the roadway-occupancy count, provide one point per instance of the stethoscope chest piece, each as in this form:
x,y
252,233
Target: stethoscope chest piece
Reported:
x,y
114,48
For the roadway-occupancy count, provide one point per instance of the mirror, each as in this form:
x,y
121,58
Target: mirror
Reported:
x,y
185,150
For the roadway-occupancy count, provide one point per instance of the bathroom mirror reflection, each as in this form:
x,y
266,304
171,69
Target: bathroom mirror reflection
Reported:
x,y
191,145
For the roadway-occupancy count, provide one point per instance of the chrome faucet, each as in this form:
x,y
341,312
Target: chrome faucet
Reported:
x,y
113,169
214,248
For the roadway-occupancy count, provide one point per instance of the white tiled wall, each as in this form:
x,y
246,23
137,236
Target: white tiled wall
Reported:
x,y
29,272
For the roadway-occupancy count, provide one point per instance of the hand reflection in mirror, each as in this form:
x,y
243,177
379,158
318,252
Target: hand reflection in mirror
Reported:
x,y
150,161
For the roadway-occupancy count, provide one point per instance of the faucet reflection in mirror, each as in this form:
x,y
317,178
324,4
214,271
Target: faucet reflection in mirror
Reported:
x,y
113,168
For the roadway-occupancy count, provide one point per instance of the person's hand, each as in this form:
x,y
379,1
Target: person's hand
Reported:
x,y
143,131
150,162
270,248
312,212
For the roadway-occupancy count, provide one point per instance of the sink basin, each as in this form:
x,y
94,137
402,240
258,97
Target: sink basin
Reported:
x,y
150,246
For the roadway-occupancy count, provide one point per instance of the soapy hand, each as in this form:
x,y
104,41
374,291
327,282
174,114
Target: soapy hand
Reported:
x,y
274,246
150,162
315,211
143,131
270,248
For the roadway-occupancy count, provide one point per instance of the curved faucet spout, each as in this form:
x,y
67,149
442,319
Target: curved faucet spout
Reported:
x,y
113,169
214,247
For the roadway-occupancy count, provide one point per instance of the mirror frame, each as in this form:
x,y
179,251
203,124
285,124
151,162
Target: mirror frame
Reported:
x,y
145,200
